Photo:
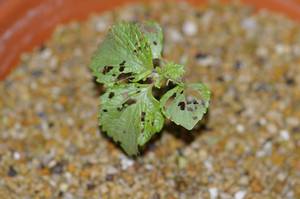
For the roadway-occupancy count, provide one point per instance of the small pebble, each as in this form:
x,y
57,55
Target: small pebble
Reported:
x,y
213,192
240,128
126,162
17,155
12,172
284,134
190,28
240,195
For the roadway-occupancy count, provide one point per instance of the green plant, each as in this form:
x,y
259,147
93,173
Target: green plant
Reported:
x,y
130,65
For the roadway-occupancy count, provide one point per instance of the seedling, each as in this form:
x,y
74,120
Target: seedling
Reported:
x,y
129,63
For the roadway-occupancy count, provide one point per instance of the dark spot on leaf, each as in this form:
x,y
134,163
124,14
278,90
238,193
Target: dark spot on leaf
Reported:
x,y
111,95
135,51
122,67
174,95
129,102
156,62
195,118
123,63
139,48
181,105
105,110
113,75
143,116
155,43
124,76
149,80
181,92
120,108
106,69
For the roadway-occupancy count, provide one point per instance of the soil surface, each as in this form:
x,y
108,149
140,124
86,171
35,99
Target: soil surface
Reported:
x,y
248,146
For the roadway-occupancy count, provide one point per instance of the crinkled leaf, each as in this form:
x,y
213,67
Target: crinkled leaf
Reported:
x,y
154,35
168,72
172,71
130,115
125,52
186,105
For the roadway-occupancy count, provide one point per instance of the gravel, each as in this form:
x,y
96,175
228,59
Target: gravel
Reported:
x,y
247,147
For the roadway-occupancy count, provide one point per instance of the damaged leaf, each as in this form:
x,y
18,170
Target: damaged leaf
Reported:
x,y
125,50
154,35
183,108
131,115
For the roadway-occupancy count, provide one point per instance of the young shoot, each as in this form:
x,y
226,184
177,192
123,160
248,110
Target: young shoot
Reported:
x,y
129,63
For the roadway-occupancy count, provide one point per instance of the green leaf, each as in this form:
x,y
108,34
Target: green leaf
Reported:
x,y
186,105
154,35
125,52
171,71
130,115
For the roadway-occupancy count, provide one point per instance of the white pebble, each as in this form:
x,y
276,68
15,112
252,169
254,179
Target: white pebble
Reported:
x,y
249,24
101,25
262,121
63,187
213,192
207,61
284,134
46,53
262,51
292,121
126,162
208,165
174,35
68,196
149,167
281,49
240,195
70,121
111,170
240,128
17,156
189,28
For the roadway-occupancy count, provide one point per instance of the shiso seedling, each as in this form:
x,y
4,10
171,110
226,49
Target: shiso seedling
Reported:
x,y
130,65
